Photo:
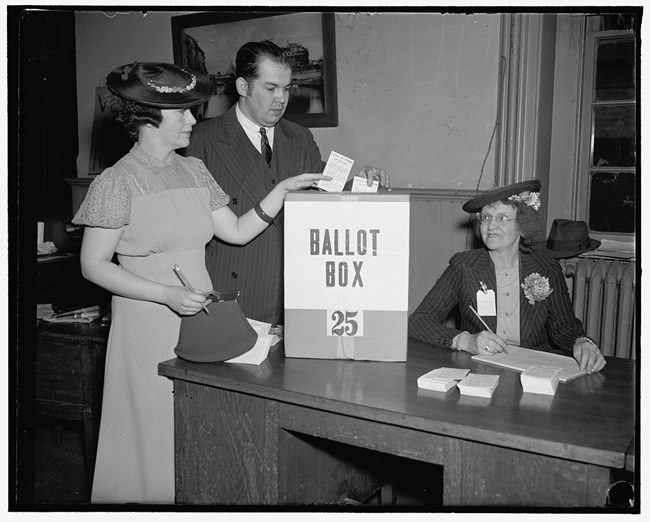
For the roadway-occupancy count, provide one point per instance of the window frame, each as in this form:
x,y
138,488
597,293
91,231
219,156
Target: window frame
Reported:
x,y
593,35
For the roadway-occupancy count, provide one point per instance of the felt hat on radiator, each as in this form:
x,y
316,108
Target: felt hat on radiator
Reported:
x,y
568,239
161,85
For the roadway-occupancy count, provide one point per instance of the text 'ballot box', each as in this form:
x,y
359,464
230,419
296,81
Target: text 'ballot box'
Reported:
x,y
346,264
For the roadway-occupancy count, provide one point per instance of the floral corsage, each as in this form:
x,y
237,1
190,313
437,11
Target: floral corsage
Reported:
x,y
536,288
529,198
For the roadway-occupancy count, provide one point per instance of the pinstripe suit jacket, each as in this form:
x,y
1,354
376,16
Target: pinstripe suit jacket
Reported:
x,y
256,269
546,325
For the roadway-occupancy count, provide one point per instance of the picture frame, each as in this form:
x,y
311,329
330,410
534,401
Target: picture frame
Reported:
x,y
208,42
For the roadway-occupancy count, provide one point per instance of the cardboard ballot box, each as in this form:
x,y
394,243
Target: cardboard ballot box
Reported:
x,y
346,264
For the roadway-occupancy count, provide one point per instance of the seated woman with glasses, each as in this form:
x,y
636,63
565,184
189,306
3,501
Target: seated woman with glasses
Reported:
x,y
506,292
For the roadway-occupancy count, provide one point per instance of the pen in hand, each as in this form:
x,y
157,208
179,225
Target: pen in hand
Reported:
x,y
484,323
187,285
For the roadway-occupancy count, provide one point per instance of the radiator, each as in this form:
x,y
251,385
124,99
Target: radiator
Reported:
x,y
604,299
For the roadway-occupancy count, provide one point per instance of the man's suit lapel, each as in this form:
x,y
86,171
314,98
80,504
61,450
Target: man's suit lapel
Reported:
x,y
285,152
239,155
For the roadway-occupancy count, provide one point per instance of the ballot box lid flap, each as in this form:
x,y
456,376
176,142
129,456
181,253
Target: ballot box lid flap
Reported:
x,y
315,197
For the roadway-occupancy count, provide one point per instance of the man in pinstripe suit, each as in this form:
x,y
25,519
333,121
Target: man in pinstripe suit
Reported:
x,y
233,148
506,292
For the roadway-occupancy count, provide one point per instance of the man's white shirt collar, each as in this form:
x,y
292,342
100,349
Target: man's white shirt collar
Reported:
x,y
252,129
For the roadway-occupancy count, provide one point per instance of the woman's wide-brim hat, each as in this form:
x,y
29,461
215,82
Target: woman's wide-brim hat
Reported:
x,y
161,85
501,193
568,239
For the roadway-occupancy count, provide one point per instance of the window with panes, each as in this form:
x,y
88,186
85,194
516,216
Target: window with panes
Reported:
x,y
608,177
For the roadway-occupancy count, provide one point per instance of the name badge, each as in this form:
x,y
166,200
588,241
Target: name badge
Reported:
x,y
486,302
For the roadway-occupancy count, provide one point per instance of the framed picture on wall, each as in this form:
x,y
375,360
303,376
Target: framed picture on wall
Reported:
x,y
208,42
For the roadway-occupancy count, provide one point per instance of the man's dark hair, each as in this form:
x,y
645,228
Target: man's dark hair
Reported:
x,y
251,54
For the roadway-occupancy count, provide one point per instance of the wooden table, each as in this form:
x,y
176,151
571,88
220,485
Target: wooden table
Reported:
x,y
268,434
69,377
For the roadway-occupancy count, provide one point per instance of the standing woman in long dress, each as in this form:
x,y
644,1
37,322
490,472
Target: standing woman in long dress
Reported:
x,y
154,209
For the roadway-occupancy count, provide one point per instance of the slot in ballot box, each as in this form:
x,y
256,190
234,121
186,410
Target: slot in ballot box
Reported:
x,y
346,270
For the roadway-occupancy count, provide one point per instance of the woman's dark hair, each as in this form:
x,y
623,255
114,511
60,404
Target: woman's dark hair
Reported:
x,y
527,220
251,54
129,113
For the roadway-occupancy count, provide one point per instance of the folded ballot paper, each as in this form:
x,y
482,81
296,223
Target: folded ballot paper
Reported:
x,y
478,385
540,379
441,379
258,353
338,168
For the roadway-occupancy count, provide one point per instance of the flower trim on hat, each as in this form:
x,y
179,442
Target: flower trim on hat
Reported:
x,y
167,90
536,288
529,198
126,71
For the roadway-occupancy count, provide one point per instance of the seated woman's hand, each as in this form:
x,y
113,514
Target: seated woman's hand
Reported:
x,y
486,343
588,356
302,181
185,302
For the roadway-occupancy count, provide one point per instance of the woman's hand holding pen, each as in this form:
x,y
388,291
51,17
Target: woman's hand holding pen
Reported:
x,y
184,301
483,343
486,342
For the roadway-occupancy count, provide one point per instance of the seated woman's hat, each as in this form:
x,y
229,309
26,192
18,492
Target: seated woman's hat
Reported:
x,y
161,85
525,191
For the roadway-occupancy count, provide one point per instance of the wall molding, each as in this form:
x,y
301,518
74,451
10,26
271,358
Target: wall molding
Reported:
x,y
526,99
436,193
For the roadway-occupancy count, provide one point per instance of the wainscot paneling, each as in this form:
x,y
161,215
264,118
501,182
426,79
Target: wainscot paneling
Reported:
x,y
439,229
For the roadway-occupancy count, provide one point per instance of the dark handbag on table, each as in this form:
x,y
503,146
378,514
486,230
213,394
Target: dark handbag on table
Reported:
x,y
223,334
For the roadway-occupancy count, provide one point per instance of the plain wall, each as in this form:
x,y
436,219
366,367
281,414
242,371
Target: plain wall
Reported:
x,y
417,92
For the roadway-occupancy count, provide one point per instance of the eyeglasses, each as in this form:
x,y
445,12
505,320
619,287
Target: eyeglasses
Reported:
x,y
501,219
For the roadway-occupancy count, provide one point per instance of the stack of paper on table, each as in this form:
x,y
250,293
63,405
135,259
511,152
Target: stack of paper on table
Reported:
x,y
479,385
80,315
520,359
258,353
441,379
540,379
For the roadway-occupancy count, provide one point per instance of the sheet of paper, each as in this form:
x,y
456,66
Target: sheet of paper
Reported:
x,y
444,373
610,248
478,380
338,168
40,230
521,359
478,385
88,317
542,372
360,184
441,379
259,326
258,353
540,379
617,246
44,310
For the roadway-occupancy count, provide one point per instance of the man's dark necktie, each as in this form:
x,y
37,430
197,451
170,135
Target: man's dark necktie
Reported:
x,y
266,147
